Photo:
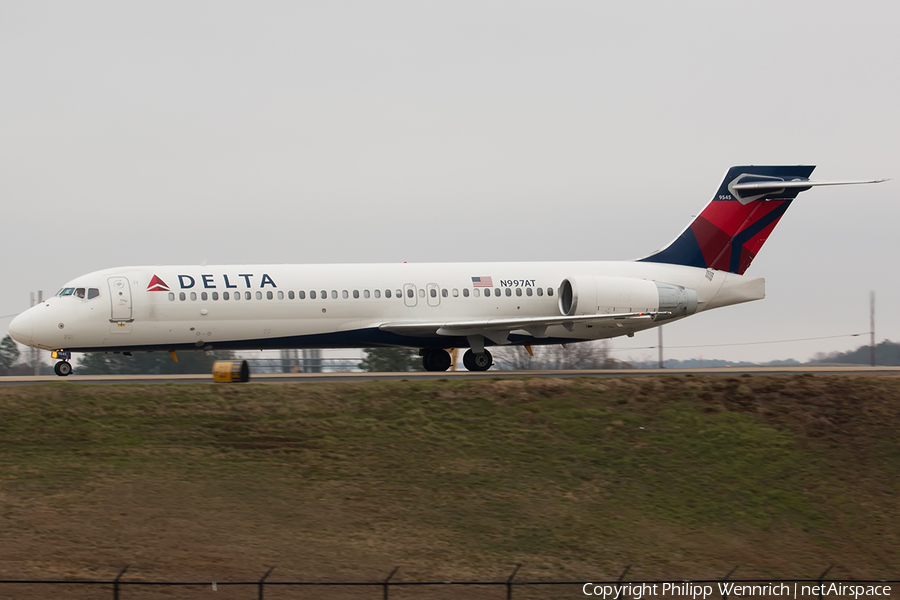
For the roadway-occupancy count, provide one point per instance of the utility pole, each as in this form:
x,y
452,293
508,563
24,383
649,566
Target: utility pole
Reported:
x,y
661,366
872,326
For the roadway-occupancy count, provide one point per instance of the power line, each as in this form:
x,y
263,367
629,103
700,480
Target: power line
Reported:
x,y
824,337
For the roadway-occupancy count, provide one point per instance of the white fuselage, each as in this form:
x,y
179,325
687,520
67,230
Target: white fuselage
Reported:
x,y
271,306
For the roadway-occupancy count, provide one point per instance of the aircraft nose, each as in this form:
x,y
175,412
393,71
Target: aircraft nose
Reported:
x,y
21,329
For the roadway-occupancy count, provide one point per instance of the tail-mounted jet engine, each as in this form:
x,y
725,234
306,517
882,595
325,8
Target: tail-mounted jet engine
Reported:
x,y
603,295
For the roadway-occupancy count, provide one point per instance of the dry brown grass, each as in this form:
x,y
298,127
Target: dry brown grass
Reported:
x,y
679,476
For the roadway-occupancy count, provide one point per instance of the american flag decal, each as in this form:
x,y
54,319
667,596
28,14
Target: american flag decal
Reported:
x,y
482,282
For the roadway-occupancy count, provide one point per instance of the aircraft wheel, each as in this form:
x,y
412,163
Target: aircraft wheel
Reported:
x,y
62,368
477,362
435,359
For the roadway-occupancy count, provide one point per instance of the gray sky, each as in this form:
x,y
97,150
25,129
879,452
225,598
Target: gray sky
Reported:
x,y
175,133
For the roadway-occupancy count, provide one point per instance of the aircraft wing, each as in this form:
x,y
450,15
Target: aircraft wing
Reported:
x,y
497,330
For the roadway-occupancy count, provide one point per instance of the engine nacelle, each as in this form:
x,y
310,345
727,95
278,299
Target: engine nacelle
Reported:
x,y
604,295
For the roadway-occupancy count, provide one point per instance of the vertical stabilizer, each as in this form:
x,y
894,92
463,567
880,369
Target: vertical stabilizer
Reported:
x,y
731,229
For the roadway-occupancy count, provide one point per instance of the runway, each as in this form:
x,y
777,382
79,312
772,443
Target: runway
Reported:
x,y
419,376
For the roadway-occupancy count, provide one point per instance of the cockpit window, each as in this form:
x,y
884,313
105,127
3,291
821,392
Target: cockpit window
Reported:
x,y
79,293
67,291
93,293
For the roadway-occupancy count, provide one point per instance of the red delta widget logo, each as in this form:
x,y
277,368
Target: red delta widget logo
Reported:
x,y
212,282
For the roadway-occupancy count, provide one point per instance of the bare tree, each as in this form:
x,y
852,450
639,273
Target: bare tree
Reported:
x,y
580,355
9,354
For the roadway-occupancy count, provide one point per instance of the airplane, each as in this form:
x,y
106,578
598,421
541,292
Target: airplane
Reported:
x,y
430,306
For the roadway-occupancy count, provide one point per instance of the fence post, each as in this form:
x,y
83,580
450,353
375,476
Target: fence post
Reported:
x,y
619,581
262,581
724,579
821,577
509,582
116,582
386,584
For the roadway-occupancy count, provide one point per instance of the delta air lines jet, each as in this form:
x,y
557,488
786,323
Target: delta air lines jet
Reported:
x,y
432,307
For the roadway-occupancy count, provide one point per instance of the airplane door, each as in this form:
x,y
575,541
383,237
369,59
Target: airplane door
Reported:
x,y
409,294
120,297
433,293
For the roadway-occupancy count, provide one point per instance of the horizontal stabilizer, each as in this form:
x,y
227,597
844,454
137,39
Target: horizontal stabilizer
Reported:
x,y
774,185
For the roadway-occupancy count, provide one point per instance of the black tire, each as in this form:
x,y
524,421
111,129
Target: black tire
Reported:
x,y
477,362
435,359
62,368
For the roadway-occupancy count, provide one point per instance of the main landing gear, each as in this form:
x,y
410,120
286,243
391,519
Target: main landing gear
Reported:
x,y
480,361
63,368
435,359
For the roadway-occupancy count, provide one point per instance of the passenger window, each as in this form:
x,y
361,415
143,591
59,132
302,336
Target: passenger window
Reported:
x,y
455,293
496,291
79,293
387,293
193,296
356,293
334,294
226,296
476,292
518,291
528,291
181,296
281,295
204,296
540,291
94,292
248,296
487,293
324,294
399,294
215,295
365,293
171,296
549,291
445,293
312,295
259,295
421,293
269,295
378,293
465,292
433,293
509,292
301,294
290,294
409,293
345,294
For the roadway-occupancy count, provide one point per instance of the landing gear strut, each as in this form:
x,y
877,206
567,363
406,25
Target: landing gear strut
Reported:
x,y
63,368
480,361
435,359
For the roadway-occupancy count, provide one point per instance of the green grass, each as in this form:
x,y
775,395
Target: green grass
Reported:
x,y
679,475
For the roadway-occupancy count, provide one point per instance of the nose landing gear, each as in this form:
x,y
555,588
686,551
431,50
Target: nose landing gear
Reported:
x,y
63,368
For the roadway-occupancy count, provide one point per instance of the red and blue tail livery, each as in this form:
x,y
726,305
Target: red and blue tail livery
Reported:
x,y
730,231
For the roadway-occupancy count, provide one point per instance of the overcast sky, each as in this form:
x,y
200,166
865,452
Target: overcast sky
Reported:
x,y
183,132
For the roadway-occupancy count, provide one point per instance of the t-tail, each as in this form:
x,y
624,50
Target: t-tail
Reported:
x,y
733,227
